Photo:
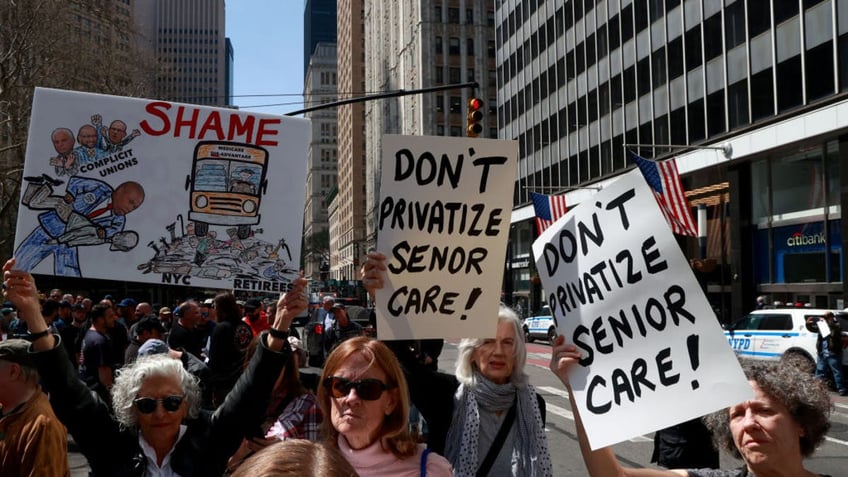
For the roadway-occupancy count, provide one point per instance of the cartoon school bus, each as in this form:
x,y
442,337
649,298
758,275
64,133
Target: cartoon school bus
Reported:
x,y
226,185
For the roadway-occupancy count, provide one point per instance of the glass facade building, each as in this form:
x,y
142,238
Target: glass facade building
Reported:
x,y
582,81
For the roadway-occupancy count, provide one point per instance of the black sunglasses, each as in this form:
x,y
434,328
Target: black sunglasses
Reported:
x,y
367,389
146,405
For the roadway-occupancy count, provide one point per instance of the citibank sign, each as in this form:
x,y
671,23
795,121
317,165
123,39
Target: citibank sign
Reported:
x,y
799,240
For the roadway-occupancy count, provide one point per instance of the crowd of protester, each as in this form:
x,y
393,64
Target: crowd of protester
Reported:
x,y
213,387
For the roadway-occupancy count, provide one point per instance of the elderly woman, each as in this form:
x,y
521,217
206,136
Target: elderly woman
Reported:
x,y
772,433
158,428
363,391
486,419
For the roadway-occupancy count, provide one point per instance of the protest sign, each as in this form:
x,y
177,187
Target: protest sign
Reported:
x,y
443,222
151,191
620,289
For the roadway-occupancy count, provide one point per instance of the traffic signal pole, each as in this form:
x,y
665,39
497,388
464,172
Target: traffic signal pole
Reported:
x,y
473,85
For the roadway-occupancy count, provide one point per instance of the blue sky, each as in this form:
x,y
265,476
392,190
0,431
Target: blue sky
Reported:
x,y
267,37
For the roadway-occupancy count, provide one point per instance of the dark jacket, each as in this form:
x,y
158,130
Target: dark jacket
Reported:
x,y
210,439
433,393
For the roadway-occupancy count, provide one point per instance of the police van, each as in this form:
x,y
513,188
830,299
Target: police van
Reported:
x,y
540,326
771,334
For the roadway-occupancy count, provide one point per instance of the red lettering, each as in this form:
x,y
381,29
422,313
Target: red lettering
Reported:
x,y
260,136
238,128
191,122
157,109
212,123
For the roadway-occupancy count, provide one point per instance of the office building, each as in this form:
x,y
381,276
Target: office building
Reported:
x,y
578,80
188,38
419,44
321,175
319,26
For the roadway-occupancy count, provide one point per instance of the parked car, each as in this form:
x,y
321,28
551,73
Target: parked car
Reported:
x,y
540,326
773,333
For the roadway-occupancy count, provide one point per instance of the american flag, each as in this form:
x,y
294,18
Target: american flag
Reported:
x,y
548,209
665,182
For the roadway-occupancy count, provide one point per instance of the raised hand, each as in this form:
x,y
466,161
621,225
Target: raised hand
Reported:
x,y
563,357
372,272
291,304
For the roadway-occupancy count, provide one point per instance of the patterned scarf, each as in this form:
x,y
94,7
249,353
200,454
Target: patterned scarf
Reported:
x,y
530,443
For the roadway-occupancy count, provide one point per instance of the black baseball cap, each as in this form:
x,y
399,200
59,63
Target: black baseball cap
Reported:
x,y
252,304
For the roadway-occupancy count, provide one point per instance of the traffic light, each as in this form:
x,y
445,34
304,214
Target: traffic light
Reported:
x,y
475,115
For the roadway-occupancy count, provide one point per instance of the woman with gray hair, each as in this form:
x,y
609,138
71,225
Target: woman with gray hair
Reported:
x,y
158,427
486,419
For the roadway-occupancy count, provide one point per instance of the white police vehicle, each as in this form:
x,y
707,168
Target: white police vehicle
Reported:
x,y
540,326
771,334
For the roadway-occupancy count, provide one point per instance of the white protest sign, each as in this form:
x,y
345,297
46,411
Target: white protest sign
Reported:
x,y
824,329
443,222
621,290
151,191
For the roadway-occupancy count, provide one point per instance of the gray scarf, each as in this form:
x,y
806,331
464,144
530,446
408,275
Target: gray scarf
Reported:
x,y
530,444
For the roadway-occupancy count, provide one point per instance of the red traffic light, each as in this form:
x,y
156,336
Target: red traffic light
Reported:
x,y
475,115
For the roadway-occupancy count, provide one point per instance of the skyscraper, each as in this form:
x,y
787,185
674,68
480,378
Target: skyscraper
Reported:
x,y
189,39
319,25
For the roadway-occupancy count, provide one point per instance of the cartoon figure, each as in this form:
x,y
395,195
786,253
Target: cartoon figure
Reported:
x,y
88,151
244,184
89,213
115,137
281,244
66,162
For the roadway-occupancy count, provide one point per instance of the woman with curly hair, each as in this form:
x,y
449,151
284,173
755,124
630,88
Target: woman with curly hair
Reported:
x,y
772,433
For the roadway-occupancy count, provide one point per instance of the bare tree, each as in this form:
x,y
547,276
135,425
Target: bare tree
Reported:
x,y
74,45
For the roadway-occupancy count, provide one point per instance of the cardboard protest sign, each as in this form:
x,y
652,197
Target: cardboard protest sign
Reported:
x,y
443,222
621,290
151,191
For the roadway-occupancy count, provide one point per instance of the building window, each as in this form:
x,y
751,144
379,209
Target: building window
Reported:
x,y
440,103
491,49
439,46
454,75
440,74
455,131
437,13
453,15
455,104
469,16
469,47
453,46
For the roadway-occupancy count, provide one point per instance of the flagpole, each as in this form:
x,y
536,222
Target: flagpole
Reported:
x,y
726,148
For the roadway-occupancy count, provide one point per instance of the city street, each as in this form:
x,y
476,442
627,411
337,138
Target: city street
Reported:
x,y
831,458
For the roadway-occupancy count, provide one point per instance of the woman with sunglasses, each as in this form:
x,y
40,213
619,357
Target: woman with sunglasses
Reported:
x,y
486,418
363,391
158,427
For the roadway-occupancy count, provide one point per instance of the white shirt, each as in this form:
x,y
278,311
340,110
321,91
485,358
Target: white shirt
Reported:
x,y
153,470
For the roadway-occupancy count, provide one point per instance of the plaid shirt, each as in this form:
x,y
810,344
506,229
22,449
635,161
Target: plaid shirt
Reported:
x,y
301,419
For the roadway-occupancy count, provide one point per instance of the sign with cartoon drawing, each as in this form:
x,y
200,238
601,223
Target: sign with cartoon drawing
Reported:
x,y
159,192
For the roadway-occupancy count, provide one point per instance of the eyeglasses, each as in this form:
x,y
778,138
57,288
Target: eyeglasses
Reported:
x,y
146,405
367,389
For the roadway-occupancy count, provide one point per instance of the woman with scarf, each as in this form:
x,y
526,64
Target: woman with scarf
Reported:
x,y
486,419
